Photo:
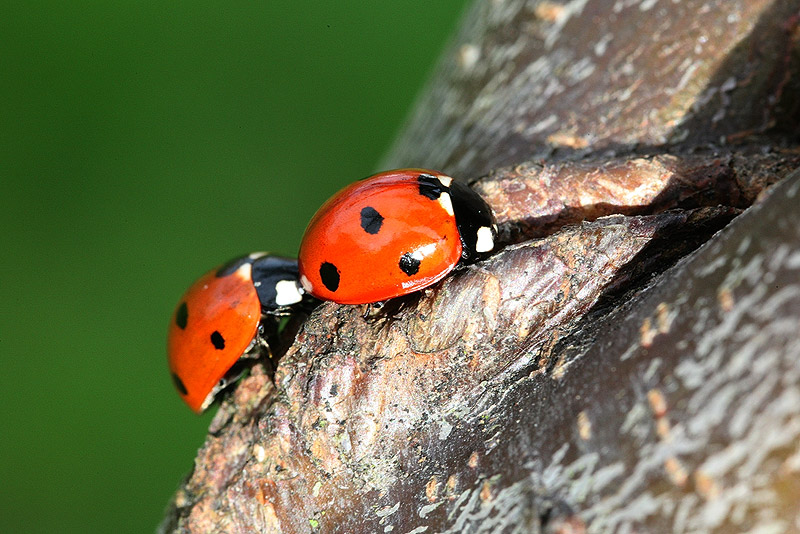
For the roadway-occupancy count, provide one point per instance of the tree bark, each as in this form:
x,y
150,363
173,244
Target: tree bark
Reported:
x,y
628,361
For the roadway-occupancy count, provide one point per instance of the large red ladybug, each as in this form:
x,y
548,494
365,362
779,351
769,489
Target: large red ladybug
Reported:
x,y
228,314
391,234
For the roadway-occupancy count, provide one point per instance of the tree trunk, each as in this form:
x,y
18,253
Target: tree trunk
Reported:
x,y
628,361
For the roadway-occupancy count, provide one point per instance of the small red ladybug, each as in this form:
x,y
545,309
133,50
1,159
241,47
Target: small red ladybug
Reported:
x,y
392,234
228,314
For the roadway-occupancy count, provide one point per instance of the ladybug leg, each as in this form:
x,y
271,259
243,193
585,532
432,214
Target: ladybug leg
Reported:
x,y
267,337
373,309
279,328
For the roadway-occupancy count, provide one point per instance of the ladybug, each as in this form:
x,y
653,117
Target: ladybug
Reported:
x,y
392,234
228,314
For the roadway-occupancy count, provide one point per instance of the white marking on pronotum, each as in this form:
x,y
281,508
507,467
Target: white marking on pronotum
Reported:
x,y
287,292
245,272
485,241
446,203
445,180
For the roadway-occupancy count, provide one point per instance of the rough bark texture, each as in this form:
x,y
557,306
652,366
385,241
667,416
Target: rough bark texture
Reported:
x,y
601,372
529,79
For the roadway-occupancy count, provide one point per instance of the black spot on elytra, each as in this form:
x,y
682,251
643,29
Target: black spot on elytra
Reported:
x,y
182,316
179,384
430,186
409,264
371,220
217,340
329,275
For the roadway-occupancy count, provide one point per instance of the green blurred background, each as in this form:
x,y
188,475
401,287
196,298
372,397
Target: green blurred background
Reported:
x,y
141,143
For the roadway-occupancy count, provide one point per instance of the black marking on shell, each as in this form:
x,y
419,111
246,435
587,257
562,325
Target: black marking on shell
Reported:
x,y
179,384
409,264
430,186
217,340
182,316
371,220
330,276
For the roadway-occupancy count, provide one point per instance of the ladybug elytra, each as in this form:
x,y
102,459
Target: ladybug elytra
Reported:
x,y
392,234
224,316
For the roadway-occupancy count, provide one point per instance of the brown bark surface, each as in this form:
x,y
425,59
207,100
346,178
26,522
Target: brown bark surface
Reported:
x,y
629,360
531,79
